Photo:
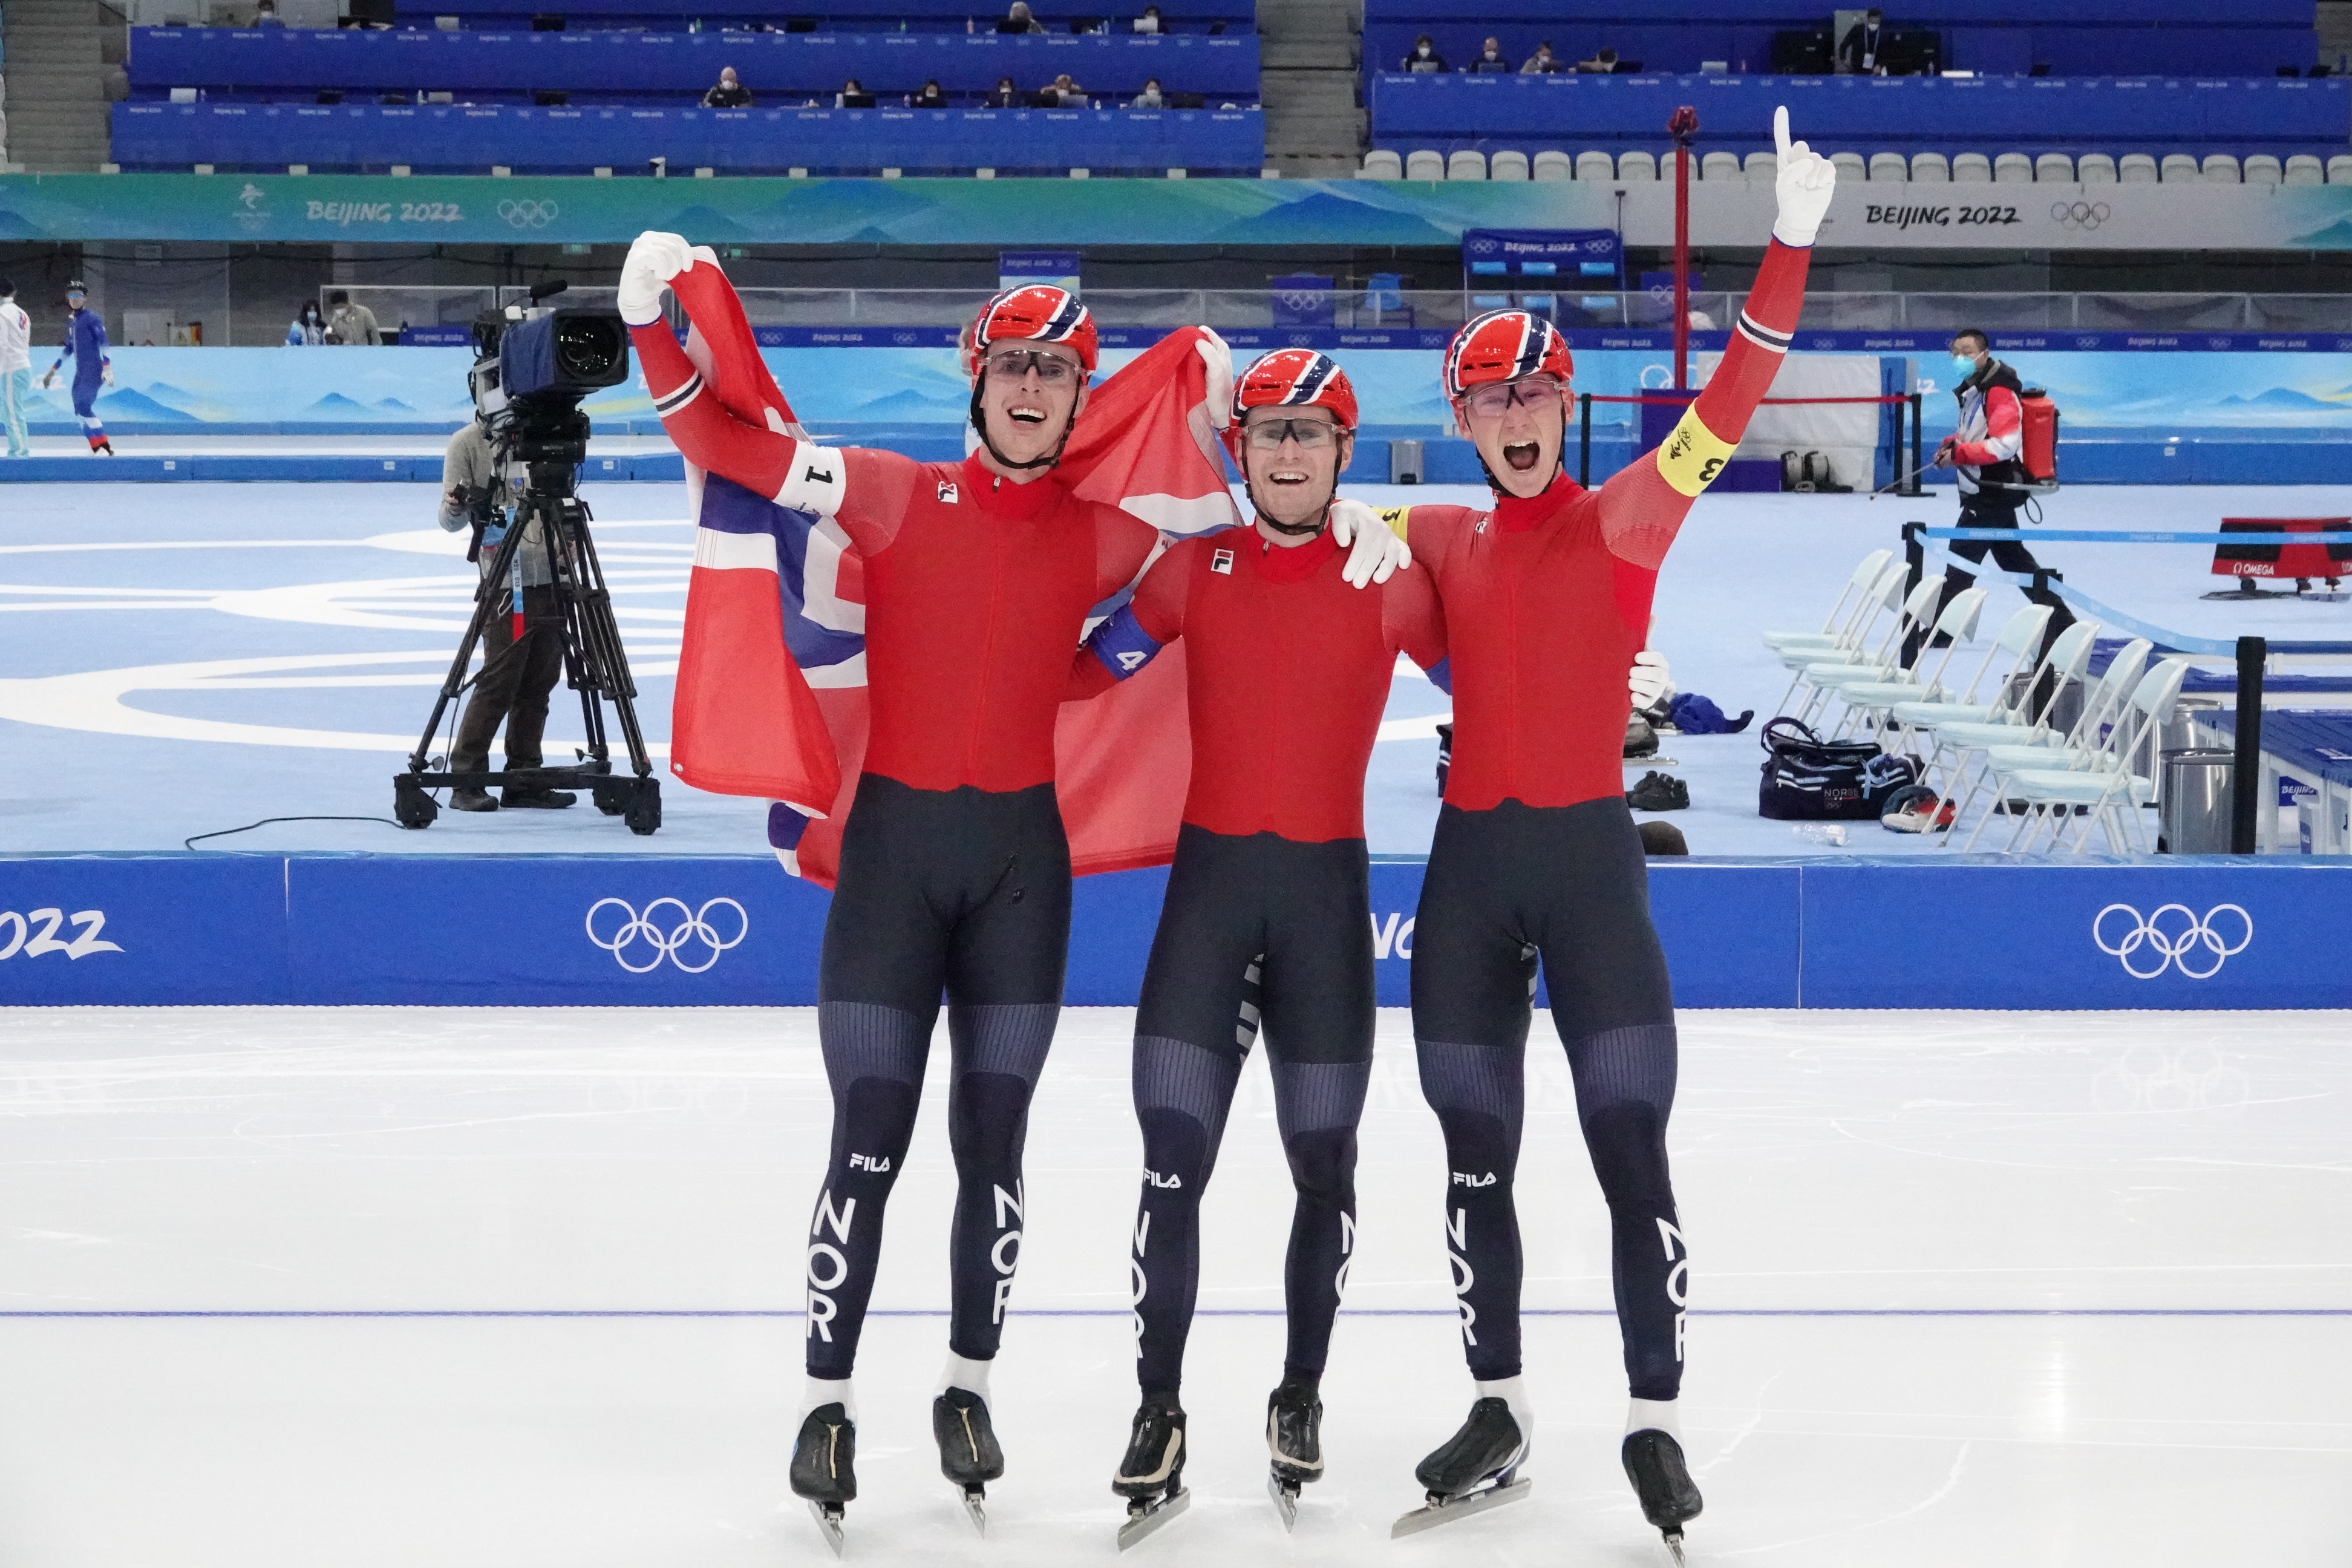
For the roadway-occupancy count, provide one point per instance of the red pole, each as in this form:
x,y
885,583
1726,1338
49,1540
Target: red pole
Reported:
x,y
1682,128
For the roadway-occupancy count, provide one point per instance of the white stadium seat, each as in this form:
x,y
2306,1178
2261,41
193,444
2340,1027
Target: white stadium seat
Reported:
x,y
2262,169
1554,165
1424,164
1762,166
1595,167
2339,169
2012,169
1972,169
1719,166
2180,167
1637,166
1468,164
2136,169
1931,166
1508,165
1887,167
2095,169
1379,163
2220,169
2053,169
1851,169
2303,169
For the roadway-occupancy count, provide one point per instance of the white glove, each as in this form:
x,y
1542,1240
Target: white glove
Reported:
x,y
106,375
654,259
1649,681
1219,358
1374,552
1804,185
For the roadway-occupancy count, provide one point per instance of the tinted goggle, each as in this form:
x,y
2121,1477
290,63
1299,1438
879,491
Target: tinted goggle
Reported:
x,y
1498,398
1013,364
1312,435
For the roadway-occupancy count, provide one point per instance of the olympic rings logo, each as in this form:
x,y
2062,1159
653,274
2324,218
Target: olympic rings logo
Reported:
x,y
2153,944
640,942
2084,215
528,214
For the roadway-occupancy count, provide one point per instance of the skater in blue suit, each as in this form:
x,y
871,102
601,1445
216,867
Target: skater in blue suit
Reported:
x,y
86,346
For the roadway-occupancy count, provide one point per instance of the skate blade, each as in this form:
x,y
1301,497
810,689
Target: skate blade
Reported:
x,y
1429,1516
975,1507
1140,1525
1673,1541
828,1520
1286,1500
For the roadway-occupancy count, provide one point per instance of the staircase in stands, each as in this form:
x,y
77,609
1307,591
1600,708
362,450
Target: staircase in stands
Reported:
x,y
64,67
1308,51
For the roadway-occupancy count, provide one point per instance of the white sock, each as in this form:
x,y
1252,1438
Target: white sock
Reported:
x,y
822,1391
963,1373
1655,1415
1513,1392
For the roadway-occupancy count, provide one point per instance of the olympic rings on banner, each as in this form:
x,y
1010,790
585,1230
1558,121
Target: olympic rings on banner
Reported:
x,y
2151,944
640,942
528,214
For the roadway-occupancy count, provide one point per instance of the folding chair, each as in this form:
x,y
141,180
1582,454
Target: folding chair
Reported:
x,y
2105,704
1955,627
2014,719
1887,661
2104,791
2020,638
1852,639
1829,635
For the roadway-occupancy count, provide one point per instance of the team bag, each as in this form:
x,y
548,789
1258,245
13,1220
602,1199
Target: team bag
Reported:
x,y
1808,779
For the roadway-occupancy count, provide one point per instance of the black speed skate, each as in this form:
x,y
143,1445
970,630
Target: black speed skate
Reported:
x,y
1654,1463
1476,1469
824,1468
968,1456
1151,1477
1294,1437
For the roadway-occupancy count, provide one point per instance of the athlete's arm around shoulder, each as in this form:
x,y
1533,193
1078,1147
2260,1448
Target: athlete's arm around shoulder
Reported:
x,y
1132,636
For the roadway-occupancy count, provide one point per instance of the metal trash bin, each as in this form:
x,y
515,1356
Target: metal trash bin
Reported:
x,y
2177,735
1404,463
2193,813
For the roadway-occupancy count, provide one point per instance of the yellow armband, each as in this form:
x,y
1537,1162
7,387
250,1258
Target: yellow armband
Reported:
x,y
1394,517
1693,456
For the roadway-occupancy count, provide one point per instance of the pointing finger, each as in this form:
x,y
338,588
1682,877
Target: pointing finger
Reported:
x,y
1781,131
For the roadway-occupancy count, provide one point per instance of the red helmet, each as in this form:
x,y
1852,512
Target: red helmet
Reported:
x,y
1291,378
1039,312
1504,345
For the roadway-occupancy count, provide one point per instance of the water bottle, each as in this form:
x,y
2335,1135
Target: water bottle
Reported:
x,y
1832,832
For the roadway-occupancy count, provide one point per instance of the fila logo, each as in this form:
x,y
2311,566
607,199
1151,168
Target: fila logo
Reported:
x,y
1480,526
1131,660
878,1164
947,493
1171,1184
1223,562
1464,1178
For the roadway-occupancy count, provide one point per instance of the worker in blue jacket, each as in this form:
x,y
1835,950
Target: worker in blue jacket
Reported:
x,y
86,346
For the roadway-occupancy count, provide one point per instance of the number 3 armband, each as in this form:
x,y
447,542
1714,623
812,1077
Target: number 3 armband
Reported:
x,y
817,481
1693,456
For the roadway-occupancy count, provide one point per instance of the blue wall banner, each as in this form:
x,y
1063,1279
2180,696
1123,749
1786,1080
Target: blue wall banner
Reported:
x,y
609,930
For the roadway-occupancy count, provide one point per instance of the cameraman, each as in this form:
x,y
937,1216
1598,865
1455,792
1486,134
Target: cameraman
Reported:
x,y
515,680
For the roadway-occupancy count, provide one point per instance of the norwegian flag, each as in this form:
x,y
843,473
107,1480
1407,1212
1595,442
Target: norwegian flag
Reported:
x,y
770,697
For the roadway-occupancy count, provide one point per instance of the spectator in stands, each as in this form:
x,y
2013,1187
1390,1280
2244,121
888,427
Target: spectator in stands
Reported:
x,y
266,15
1006,95
929,98
1150,21
1423,58
731,92
310,328
1602,63
1018,20
1067,93
1859,50
349,325
853,95
1149,97
1490,60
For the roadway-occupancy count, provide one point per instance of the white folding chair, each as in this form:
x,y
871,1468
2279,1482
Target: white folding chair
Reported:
x,y
2104,791
1827,635
2015,719
1885,660
1955,627
2019,637
1853,639
2104,703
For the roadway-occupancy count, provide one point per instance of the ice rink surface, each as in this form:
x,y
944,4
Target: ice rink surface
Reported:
x,y
179,659
349,1287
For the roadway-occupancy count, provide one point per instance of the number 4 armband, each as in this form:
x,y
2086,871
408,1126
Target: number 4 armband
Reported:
x,y
1692,456
1122,643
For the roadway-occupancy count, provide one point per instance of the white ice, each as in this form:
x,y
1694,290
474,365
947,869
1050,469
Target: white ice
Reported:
x,y
2155,1206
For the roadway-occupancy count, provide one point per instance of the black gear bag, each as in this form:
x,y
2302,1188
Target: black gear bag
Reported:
x,y
1808,779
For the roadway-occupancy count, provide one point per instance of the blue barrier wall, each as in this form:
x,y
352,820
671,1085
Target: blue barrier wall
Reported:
x,y
603,930
372,136
635,63
1864,113
919,16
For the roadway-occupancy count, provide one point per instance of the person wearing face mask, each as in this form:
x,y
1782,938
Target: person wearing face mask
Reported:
x,y
1547,601
1267,918
1423,59
1982,451
1490,60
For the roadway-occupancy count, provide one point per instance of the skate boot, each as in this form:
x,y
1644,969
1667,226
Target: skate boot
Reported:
x,y
1151,1477
1294,1435
1654,1463
1476,1469
824,1468
968,1456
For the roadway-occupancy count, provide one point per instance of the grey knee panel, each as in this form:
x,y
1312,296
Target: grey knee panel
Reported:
x,y
1010,1038
866,1039
1177,1075
1311,1097
1633,1066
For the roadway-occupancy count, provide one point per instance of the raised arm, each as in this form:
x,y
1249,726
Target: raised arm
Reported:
x,y
1642,508
1131,635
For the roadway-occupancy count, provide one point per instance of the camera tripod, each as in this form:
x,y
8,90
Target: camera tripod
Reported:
x,y
594,664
